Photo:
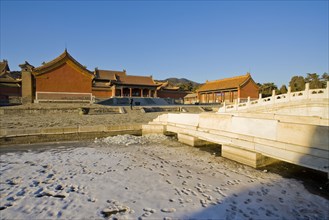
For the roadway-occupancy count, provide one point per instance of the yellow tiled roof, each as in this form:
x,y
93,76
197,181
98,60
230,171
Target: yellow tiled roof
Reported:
x,y
109,74
4,68
227,83
136,80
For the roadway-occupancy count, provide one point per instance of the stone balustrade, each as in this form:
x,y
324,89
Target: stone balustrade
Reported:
x,y
289,97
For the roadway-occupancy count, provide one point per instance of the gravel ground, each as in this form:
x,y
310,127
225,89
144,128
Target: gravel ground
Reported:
x,y
43,120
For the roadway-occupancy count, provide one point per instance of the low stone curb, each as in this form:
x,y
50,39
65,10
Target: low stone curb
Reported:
x,y
19,136
91,110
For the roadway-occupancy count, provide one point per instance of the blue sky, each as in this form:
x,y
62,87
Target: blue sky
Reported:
x,y
198,40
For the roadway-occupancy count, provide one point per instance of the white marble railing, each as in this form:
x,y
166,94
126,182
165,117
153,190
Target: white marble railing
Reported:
x,y
275,99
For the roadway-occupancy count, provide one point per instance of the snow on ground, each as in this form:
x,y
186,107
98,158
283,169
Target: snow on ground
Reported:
x,y
150,177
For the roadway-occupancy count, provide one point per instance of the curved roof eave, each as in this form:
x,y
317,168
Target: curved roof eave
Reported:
x,y
61,59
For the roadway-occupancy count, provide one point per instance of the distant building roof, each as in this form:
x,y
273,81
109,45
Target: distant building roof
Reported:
x,y
136,80
4,67
65,56
16,74
6,76
108,74
121,78
191,95
171,88
227,83
166,86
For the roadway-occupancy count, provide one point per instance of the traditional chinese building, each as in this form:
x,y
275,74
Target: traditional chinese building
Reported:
x,y
62,79
104,81
171,92
191,98
10,85
65,79
228,90
109,83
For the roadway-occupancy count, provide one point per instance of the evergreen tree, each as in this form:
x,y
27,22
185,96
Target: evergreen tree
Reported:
x,y
283,89
266,89
314,80
297,83
324,79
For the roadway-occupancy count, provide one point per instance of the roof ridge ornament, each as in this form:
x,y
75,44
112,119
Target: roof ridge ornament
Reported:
x,y
65,48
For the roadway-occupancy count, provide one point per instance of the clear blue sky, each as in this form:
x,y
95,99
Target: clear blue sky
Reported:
x,y
198,40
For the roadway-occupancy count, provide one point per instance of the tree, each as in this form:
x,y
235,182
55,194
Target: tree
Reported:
x,y
297,83
195,88
283,89
188,86
314,80
324,79
266,89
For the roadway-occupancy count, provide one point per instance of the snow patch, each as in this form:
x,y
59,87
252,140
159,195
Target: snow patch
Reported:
x,y
127,139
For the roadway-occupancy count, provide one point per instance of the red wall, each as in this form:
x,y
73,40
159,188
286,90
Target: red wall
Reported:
x,y
102,93
64,79
249,89
171,94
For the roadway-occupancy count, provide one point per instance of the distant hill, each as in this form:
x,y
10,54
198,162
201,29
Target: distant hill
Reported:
x,y
182,83
181,80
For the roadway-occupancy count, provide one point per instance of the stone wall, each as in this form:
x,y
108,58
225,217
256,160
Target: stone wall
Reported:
x,y
27,136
